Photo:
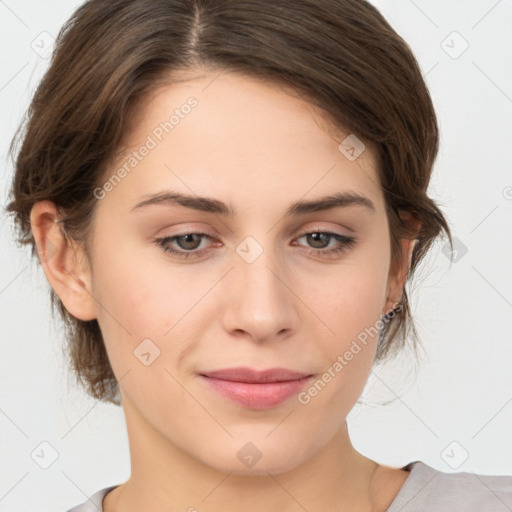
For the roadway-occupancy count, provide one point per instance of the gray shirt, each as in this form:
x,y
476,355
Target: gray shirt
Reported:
x,y
425,490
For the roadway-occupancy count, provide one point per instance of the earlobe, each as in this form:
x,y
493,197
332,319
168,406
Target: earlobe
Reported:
x,y
64,263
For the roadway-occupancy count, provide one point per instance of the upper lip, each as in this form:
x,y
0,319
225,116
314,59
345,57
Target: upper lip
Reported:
x,y
244,374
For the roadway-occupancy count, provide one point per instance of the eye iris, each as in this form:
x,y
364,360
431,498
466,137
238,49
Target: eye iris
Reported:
x,y
188,241
314,237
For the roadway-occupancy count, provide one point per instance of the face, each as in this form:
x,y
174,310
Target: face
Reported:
x,y
181,292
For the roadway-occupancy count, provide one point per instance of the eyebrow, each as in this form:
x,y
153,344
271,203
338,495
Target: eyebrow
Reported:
x,y
210,205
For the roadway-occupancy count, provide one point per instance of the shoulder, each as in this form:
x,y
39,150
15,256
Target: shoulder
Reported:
x,y
431,490
94,503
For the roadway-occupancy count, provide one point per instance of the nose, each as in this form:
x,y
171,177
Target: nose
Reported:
x,y
259,302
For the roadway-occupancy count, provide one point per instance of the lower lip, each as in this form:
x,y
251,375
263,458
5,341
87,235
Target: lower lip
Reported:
x,y
257,396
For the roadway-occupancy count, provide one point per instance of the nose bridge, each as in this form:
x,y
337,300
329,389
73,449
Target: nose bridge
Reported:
x,y
262,304
257,269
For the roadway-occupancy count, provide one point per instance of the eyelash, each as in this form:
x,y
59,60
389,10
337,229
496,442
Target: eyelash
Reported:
x,y
345,241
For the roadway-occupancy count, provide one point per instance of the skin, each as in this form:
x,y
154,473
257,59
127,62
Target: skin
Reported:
x,y
257,147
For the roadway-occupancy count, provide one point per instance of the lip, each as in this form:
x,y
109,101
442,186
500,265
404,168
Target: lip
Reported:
x,y
256,389
250,375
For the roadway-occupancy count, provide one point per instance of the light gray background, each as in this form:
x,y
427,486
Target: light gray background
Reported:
x,y
453,412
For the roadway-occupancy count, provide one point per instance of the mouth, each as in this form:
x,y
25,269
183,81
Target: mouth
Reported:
x,y
256,389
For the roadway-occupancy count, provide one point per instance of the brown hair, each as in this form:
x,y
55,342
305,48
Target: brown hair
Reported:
x,y
341,55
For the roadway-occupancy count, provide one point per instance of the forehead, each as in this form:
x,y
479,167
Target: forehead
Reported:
x,y
240,131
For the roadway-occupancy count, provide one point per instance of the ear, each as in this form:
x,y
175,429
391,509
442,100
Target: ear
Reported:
x,y
64,262
399,272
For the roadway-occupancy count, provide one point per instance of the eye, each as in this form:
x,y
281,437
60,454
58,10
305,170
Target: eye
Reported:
x,y
188,243
319,239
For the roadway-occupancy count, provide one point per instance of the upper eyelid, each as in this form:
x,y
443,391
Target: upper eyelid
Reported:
x,y
314,229
299,234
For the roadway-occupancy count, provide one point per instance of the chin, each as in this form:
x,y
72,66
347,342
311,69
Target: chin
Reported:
x,y
250,461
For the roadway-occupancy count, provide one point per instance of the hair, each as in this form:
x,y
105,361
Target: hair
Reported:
x,y
341,55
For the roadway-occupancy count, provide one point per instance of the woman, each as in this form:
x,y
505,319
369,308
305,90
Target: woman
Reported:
x,y
227,199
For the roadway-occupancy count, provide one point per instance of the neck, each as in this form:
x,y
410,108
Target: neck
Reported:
x,y
165,478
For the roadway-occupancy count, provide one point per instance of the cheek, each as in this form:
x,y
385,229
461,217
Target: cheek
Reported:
x,y
351,305
354,297
140,302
